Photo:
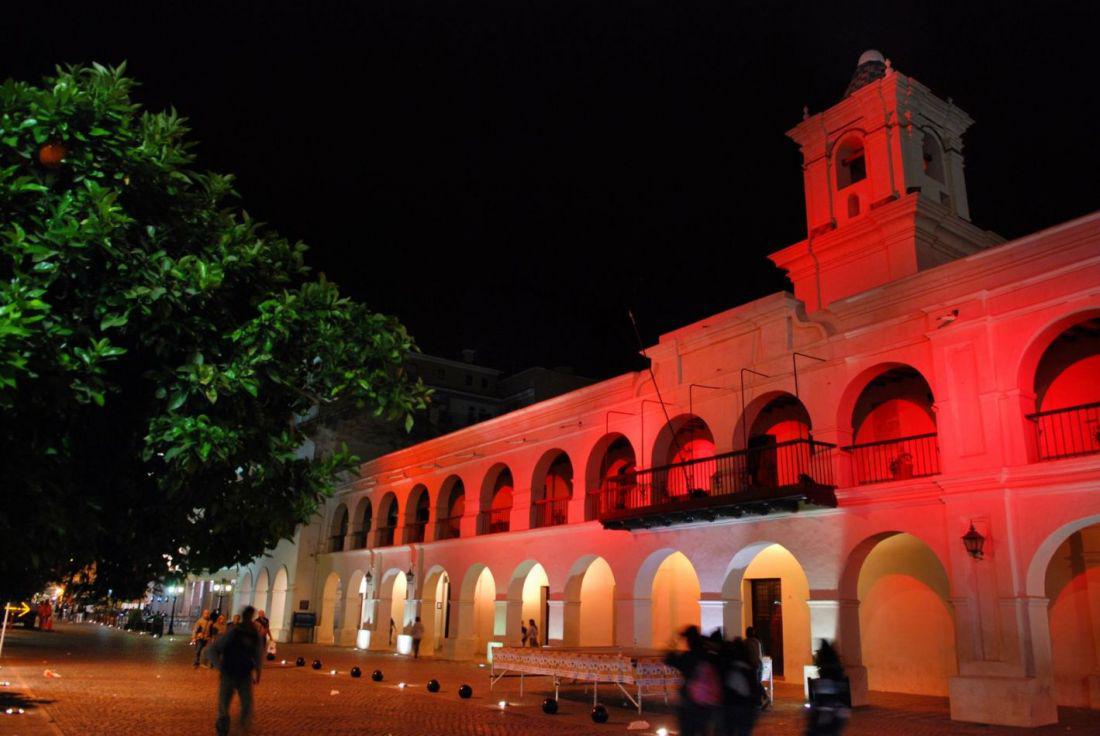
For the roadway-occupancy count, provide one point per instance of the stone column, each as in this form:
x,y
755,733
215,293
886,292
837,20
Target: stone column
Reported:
x,y
571,619
837,621
634,623
712,613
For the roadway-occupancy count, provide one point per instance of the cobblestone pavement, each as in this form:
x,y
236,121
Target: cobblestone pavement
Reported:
x,y
118,683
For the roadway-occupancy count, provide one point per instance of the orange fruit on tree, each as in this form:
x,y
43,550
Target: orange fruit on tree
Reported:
x,y
50,154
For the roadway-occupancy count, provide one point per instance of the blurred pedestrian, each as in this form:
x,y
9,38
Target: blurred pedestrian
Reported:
x,y
522,633
200,635
532,633
701,692
238,655
829,700
741,689
756,657
417,634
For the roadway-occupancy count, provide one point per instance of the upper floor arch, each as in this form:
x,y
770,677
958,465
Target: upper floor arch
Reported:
x,y
551,489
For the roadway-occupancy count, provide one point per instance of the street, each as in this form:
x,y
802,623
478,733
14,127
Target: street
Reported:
x,y
112,682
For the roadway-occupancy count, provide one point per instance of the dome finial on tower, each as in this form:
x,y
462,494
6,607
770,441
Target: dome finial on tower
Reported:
x,y
871,66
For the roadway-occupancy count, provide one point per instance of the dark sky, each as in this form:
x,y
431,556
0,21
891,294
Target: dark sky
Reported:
x,y
512,176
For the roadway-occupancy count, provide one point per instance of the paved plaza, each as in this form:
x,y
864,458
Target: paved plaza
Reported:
x,y
113,682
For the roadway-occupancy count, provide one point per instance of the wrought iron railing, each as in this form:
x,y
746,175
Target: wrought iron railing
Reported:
x,y
1068,432
917,456
496,521
449,528
336,543
384,536
359,540
758,470
551,512
414,532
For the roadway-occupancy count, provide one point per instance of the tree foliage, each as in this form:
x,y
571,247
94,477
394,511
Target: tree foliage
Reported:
x,y
156,345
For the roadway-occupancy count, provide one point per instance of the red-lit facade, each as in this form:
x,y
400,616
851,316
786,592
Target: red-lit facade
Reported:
x,y
923,377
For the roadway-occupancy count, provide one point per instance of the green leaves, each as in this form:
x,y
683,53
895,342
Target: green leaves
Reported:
x,y
155,342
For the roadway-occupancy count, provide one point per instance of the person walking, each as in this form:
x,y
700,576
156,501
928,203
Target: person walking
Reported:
x,y
417,634
200,635
263,625
238,655
522,633
532,633
756,657
701,692
740,689
829,704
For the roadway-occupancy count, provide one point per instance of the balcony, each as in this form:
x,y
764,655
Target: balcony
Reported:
x,y
359,540
497,520
384,536
900,459
551,512
779,477
449,528
336,543
1069,432
414,533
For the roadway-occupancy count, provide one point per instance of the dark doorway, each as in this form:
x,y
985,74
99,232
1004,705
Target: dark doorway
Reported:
x,y
767,619
763,461
544,625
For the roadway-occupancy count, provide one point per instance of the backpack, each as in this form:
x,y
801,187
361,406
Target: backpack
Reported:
x,y
704,687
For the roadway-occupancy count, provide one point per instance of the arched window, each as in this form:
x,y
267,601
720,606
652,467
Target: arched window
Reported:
x,y
932,157
851,163
339,529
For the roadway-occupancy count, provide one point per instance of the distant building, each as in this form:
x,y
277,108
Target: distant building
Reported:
x,y
902,457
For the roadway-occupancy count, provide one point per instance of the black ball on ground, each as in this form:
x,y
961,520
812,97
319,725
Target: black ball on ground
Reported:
x,y
433,686
270,657
300,662
550,706
316,664
465,691
599,714
376,675
356,672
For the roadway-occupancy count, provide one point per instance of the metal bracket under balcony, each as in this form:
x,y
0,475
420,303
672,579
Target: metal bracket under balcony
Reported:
x,y
773,478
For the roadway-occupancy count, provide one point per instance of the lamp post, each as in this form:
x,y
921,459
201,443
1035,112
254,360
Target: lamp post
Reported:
x,y
173,590
222,587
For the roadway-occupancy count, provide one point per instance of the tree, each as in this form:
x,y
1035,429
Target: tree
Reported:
x,y
156,347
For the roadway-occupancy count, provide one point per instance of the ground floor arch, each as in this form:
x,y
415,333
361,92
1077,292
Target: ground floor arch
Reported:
x,y
1072,589
277,614
259,597
906,635
773,591
529,600
392,599
477,618
242,598
435,610
331,610
589,615
673,601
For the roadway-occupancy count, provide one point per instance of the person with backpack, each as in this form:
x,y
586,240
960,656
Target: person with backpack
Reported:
x,y
701,692
200,635
238,655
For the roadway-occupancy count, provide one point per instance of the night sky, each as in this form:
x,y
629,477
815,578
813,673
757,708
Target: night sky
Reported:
x,y
513,176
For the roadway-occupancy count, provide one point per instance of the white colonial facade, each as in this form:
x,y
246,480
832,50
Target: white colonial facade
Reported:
x,y
808,464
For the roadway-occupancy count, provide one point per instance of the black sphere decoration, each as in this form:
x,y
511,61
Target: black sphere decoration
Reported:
x,y
550,706
300,662
356,672
270,657
465,691
599,714
433,686
316,664
376,675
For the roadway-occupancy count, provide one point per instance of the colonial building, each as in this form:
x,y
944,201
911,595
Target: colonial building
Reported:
x,y
903,456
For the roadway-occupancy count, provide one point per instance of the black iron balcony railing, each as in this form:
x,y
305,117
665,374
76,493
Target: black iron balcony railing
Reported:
x,y
384,536
1068,432
497,520
449,528
551,512
899,459
359,540
414,532
787,472
336,543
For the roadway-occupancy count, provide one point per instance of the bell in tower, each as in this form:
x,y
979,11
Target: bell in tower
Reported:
x,y
884,186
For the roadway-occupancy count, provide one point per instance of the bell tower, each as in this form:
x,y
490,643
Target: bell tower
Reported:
x,y
884,186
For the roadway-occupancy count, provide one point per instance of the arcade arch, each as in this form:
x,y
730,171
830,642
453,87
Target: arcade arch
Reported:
x,y
393,595
387,520
331,610
772,430
906,630
668,581
687,443
339,529
496,500
1067,394
452,507
277,614
608,473
551,489
364,518
418,510
259,598
435,610
478,620
529,598
589,619
244,593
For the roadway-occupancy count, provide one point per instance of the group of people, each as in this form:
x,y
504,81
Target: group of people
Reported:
x,y
237,650
723,692
529,634
209,628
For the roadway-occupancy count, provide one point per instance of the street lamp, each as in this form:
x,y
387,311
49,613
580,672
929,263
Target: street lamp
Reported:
x,y
173,590
222,587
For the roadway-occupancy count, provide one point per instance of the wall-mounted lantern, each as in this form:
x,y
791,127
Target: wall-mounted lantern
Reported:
x,y
410,576
974,542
